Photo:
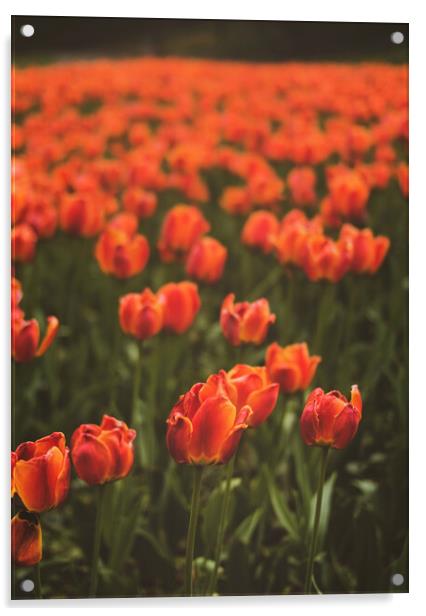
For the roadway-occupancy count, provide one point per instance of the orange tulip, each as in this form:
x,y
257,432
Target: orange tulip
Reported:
x,y
121,251
291,366
329,419
253,388
245,322
26,539
182,226
82,214
294,232
141,314
181,303
260,230
325,259
301,183
402,177
103,453
204,427
24,242
368,252
206,260
41,473
26,336
140,202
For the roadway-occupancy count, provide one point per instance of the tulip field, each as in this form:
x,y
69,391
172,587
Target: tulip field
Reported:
x,y
209,328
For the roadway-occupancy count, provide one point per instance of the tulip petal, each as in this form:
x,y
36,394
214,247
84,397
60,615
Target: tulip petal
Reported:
x,y
212,424
262,402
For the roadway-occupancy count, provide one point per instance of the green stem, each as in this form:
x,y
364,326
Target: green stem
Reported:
x,y
39,593
314,538
192,528
222,525
135,420
97,541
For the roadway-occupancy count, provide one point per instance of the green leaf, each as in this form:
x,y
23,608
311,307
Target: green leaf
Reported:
x,y
247,527
285,517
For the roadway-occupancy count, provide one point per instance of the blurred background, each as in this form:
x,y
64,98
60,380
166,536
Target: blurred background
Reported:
x,y
266,41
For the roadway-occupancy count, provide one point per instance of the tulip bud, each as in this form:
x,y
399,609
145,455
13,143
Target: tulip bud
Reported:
x,y
82,214
206,260
41,472
245,322
329,419
291,366
141,314
181,303
103,453
26,539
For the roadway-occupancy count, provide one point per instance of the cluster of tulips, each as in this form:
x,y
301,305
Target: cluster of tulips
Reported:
x,y
97,144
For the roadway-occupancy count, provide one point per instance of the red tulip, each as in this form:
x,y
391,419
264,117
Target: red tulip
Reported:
x,y
24,242
26,539
245,322
26,336
291,366
206,260
205,427
181,303
182,226
254,389
121,251
141,314
260,230
41,472
368,252
103,453
329,419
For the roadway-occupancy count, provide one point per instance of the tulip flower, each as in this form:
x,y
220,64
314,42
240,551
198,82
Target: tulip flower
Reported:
x,y
294,232
260,231
182,226
82,214
26,337
301,183
141,314
253,388
121,251
368,252
329,419
41,472
206,260
103,453
291,366
140,202
181,303
245,322
26,539
24,242
326,259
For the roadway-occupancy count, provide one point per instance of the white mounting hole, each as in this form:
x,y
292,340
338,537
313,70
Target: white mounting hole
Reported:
x,y
397,579
27,585
27,30
397,38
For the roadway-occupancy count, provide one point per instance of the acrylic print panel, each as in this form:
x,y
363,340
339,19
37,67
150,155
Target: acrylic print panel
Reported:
x,y
209,307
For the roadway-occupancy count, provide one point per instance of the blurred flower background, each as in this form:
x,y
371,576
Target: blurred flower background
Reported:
x,y
218,211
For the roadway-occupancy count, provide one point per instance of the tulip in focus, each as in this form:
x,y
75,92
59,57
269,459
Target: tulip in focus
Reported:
x,y
181,302
141,314
329,419
26,538
103,453
291,366
182,226
206,260
253,388
245,322
41,472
